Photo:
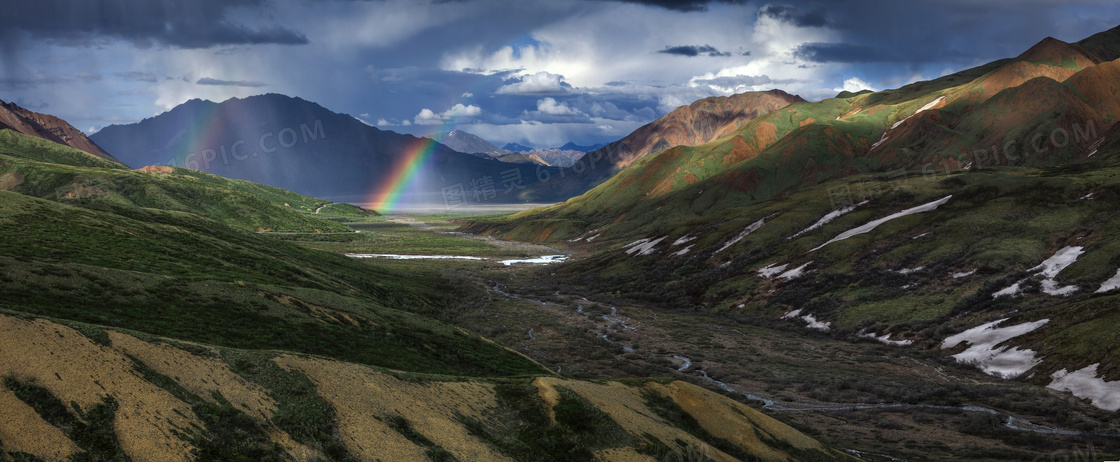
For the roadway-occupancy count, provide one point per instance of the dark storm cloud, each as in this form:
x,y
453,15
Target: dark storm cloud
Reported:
x,y
683,5
178,23
24,83
230,83
694,50
814,17
137,76
946,33
855,53
841,53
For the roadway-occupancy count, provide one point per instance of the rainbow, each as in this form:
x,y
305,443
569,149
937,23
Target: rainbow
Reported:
x,y
388,195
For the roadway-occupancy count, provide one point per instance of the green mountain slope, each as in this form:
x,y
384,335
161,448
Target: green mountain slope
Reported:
x,y
181,276
43,169
762,224
1049,105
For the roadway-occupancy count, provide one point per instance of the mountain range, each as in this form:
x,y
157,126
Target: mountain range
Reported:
x,y
300,146
562,157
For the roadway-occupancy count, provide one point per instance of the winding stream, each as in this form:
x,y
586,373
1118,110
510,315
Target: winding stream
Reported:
x,y
1012,422
1009,421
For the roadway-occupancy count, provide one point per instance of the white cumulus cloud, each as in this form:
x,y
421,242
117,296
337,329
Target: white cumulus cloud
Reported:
x,y
551,107
458,111
853,85
542,82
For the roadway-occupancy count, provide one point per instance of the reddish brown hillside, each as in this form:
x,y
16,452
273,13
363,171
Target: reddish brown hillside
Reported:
x,y
1098,87
49,128
1056,51
1039,92
698,123
1050,58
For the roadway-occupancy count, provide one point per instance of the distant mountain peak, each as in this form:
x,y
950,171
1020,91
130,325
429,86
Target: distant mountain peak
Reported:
x,y
468,143
516,147
298,145
570,146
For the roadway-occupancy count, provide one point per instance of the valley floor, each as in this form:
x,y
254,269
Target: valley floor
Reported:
x,y
873,400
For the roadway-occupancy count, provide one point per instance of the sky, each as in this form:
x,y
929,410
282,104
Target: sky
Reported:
x,y
535,72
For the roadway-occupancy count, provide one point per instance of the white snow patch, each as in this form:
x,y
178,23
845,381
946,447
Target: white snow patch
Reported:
x,y
410,257
963,274
746,231
1084,383
886,339
683,251
1061,259
812,323
809,319
827,218
874,224
1087,196
770,270
683,239
1112,283
637,242
881,141
584,235
1050,286
541,260
644,246
1013,291
920,236
930,104
910,270
794,273
927,107
999,361
1094,147
1050,269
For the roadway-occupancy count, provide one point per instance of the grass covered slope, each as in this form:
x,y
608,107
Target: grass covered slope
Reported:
x,y
1053,104
916,278
144,397
181,276
43,169
173,252
16,144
